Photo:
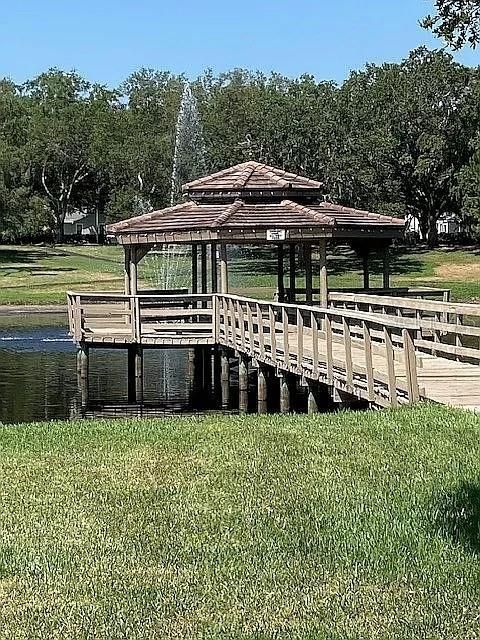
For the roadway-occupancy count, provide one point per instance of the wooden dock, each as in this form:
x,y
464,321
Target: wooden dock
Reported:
x,y
383,350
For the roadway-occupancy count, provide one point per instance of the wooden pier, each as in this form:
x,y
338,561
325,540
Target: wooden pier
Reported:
x,y
383,350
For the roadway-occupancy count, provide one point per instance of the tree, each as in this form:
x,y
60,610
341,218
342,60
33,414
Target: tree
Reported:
x,y
456,21
63,111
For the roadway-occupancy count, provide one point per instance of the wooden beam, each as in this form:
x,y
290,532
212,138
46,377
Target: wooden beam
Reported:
x,y
127,251
203,263
223,268
133,272
194,268
386,267
214,267
366,268
225,378
292,273
307,254
323,273
280,281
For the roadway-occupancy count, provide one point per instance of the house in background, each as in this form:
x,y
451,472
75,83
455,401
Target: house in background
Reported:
x,y
448,225
88,226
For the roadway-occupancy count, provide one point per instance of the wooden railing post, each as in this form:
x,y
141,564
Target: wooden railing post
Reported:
x,y
329,348
261,338
273,336
314,324
299,338
347,338
367,339
391,379
410,366
286,344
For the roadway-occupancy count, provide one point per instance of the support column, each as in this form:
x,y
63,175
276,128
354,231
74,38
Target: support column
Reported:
x,y
313,396
386,267
243,383
203,262
135,374
133,271
280,280
225,378
284,393
126,250
366,268
262,389
214,269
223,268
194,269
323,274
292,273
82,373
307,254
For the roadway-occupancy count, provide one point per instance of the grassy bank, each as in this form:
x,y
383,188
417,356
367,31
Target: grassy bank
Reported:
x,y
347,526
41,275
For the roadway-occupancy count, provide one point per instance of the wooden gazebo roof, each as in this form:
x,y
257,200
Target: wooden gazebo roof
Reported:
x,y
255,203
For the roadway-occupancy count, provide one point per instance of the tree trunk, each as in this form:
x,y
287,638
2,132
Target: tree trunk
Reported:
x,y
432,234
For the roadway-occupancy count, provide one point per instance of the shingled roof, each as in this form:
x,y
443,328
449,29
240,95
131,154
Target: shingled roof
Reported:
x,y
251,177
240,221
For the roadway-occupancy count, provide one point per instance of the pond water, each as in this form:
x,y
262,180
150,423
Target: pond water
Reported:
x,y
38,377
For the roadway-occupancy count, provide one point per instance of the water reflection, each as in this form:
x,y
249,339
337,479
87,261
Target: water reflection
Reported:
x,y
38,377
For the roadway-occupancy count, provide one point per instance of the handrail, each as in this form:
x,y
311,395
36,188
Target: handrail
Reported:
x,y
320,343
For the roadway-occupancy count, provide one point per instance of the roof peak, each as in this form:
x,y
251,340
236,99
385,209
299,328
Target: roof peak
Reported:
x,y
252,176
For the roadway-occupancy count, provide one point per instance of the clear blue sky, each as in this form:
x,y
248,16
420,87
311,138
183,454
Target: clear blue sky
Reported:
x,y
105,40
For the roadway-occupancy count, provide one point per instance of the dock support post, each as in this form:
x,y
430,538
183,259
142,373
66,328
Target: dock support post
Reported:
x,y
313,397
243,383
82,372
135,374
225,378
284,393
262,389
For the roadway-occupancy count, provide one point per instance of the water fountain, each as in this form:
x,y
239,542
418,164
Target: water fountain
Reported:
x,y
168,267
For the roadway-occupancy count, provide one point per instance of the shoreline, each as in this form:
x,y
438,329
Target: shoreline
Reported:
x,y
19,309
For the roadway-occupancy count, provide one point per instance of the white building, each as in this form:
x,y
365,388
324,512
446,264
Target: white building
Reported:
x,y
447,225
85,224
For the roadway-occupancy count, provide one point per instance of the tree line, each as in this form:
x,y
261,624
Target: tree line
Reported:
x,y
402,139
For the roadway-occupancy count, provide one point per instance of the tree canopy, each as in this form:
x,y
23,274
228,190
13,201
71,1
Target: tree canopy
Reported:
x,y
456,21
397,138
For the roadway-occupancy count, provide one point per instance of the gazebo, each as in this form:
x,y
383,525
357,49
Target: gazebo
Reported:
x,y
255,204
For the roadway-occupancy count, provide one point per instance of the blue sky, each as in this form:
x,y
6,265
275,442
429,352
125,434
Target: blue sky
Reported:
x,y
105,40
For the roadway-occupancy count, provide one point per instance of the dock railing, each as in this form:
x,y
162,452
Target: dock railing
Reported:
x,y
119,318
367,355
446,329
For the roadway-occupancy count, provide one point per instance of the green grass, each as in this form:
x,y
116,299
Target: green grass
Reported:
x,y
332,527
41,275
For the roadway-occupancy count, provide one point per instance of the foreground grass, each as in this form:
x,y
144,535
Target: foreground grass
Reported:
x,y
347,526
42,275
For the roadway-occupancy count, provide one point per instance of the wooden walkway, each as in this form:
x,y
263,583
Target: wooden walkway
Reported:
x,y
385,350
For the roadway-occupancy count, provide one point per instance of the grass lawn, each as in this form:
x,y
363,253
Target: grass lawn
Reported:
x,y
41,275
329,527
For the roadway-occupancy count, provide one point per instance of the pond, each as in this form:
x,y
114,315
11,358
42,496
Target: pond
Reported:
x,y
38,377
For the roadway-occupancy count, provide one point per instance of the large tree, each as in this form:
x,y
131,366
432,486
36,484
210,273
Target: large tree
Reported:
x,y
456,21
